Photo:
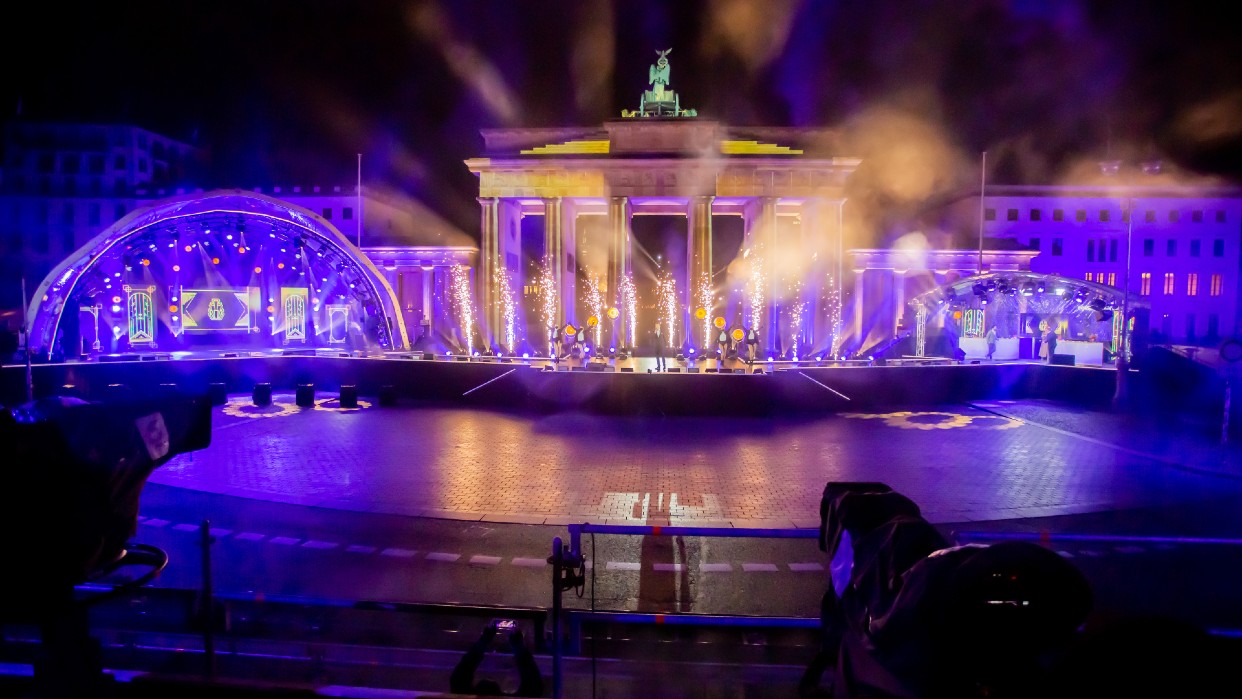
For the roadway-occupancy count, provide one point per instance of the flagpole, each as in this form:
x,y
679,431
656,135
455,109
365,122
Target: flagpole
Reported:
x,y
26,335
359,207
983,179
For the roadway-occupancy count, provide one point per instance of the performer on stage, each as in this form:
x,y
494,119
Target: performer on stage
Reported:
x,y
659,348
722,344
752,344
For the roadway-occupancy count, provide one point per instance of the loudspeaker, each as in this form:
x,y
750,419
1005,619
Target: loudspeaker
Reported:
x,y
387,395
757,371
673,370
881,361
577,368
1062,359
262,394
217,393
462,358
429,355
711,371
595,367
349,396
305,396
627,370
692,370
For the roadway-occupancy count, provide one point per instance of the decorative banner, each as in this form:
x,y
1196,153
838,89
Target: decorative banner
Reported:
x,y
218,310
141,315
293,314
737,334
700,313
719,322
338,323
973,324
571,330
613,313
592,321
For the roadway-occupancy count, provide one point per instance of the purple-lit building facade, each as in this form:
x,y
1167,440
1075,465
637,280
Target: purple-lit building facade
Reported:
x,y
1184,255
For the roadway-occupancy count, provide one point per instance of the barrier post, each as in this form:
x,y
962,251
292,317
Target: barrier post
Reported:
x,y
207,603
557,562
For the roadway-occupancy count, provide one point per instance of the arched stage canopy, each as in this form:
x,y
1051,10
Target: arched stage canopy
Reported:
x,y
224,268
1024,305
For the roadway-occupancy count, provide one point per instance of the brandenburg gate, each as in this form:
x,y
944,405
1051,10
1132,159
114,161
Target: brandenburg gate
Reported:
x,y
662,160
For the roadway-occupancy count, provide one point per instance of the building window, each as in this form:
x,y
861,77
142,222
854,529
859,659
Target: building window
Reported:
x,y
1034,244
1112,279
1058,215
1104,215
989,214
71,163
1112,250
1149,247
347,213
1080,215
1125,215
1220,216
66,241
1173,216
40,242
1192,284
1170,248
93,215
1218,285
1058,245
1190,326
1150,217
47,163
143,166
1090,251
1218,248
1036,214
1194,248
327,213
1196,216
118,163
1168,283
1213,329
96,164
66,215
120,211
1099,277
1102,251
1011,215
1145,284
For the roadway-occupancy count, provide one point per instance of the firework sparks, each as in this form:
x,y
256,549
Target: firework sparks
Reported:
x,y
629,306
705,302
755,287
508,308
796,313
595,302
465,304
547,299
666,294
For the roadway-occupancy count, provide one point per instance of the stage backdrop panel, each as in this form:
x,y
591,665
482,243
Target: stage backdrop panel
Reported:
x,y
219,310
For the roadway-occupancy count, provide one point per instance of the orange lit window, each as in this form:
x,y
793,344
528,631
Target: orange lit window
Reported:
x,y
1192,284
1145,285
1168,283
1112,279
1217,285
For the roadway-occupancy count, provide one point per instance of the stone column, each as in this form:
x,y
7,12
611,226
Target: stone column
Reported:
x,y
759,220
858,310
569,262
553,245
429,318
620,261
698,266
489,262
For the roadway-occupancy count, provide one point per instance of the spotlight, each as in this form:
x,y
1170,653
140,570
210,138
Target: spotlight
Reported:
x,y
1039,289
691,351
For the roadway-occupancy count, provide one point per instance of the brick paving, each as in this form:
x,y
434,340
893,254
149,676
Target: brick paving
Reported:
x,y
958,463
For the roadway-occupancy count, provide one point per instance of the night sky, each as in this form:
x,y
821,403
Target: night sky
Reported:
x,y
287,92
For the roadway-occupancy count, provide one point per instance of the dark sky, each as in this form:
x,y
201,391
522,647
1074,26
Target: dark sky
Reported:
x,y
288,91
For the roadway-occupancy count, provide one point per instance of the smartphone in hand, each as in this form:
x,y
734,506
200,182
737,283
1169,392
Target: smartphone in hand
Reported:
x,y
505,624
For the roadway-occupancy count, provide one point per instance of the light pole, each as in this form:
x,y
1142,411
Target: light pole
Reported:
x,y
1121,396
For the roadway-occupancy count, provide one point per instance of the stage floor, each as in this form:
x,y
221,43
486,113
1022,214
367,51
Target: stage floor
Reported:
x,y
959,463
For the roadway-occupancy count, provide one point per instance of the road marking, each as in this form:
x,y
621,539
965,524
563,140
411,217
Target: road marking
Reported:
x,y
805,567
186,527
250,536
321,545
485,560
759,567
358,548
444,557
716,567
283,540
398,553
531,562
622,565
156,522
670,567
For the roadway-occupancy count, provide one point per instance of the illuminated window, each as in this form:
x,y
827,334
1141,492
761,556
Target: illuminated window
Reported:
x,y
1217,285
1112,279
1192,284
1088,277
1145,285
1168,283
1099,277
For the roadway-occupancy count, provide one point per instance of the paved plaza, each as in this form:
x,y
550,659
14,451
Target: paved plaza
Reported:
x,y
960,463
